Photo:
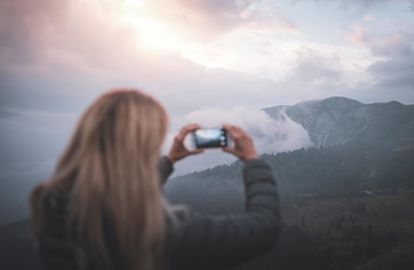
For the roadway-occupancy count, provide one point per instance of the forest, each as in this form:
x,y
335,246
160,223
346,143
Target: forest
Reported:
x,y
341,169
343,207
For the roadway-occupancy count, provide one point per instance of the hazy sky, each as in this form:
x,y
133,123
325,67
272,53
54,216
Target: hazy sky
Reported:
x,y
207,61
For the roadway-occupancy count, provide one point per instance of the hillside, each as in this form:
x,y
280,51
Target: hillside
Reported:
x,y
343,169
359,147
339,120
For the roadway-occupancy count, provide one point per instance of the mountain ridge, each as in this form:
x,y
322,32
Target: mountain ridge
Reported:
x,y
338,120
358,146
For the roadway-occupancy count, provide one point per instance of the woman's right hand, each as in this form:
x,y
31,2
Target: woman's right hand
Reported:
x,y
178,150
244,147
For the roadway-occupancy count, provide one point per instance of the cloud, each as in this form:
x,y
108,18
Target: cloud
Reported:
x,y
69,53
358,36
313,67
359,5
391,46
19,19
318,74
59,48
206,20
31,136
395,68
50,30
270,135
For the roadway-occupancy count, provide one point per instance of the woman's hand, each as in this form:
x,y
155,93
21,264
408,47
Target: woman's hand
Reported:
x,y
244,147
178,150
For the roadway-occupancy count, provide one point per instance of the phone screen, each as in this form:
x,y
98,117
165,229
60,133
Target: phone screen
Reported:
x,y
210,138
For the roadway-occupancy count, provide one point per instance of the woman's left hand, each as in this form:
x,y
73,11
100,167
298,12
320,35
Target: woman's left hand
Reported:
x,y
178,150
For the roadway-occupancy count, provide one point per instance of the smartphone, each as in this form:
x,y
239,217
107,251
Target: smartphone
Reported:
x,y
210,138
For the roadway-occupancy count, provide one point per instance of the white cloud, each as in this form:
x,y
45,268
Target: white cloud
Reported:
x,y
269,135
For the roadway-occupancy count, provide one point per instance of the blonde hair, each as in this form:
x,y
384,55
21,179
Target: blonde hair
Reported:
x,y
110,170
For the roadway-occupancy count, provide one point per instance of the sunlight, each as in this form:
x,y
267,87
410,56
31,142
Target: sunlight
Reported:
x,y
157,35
153,34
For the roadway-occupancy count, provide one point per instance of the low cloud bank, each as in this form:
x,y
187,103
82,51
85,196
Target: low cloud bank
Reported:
x,y
270,135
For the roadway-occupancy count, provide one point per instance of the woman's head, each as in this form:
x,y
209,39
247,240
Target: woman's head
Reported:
x,y
110,170
123,124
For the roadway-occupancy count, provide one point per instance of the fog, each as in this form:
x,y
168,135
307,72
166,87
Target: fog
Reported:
x,y
30,143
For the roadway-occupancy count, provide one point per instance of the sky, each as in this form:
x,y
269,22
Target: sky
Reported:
x,y
207,61
194,54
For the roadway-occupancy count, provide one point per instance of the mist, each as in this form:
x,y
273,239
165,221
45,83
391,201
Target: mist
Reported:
x,y
270,135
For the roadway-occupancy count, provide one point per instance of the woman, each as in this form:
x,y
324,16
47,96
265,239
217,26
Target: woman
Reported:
x,y
103,207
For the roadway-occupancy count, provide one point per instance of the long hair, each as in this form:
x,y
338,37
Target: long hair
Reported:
x,y
110,170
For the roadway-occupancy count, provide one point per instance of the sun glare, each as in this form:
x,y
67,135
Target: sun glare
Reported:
x,y
153,34
157,35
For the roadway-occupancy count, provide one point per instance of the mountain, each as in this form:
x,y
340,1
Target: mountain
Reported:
x,y
339,120
358,147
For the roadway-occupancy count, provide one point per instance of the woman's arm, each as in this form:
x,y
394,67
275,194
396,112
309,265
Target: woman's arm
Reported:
x,y
228,240
165,167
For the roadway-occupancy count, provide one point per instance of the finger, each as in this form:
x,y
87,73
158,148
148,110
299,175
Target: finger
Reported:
x,y
187,129
182,133
236,134
192,127
230,130
196,151
229,150
226,126
239,132
238,128
234,131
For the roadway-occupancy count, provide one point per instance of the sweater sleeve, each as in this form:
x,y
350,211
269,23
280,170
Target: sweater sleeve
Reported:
x,y
165,168
228,240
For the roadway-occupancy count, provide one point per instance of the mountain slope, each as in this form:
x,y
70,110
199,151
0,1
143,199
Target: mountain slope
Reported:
x,y
344,169
339,120
359,146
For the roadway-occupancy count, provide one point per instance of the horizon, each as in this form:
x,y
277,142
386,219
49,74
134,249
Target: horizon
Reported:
x,y
365,103
28,110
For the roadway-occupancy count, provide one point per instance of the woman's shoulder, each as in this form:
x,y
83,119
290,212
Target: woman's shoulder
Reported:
x,y
177,215
51,206
54,200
